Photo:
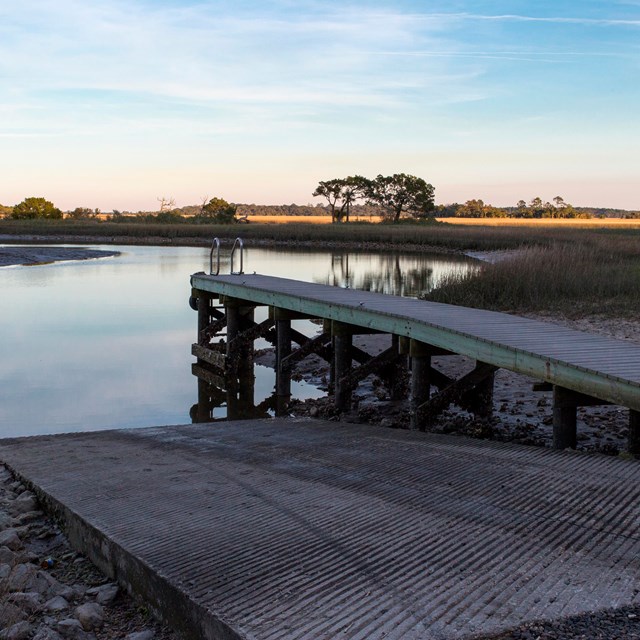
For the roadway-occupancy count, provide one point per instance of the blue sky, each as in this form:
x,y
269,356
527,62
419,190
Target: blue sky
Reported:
x,y
113,104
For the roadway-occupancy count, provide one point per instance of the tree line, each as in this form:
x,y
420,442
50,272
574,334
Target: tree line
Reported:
x,y
389,198
536,208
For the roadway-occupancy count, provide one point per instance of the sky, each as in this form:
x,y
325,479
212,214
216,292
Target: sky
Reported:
x,y
114,104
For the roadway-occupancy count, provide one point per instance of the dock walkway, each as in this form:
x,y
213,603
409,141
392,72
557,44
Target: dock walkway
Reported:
x,y
274,529
583,368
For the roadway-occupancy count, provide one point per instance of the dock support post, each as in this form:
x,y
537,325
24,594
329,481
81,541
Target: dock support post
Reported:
x,y
283,374
204,307
564,419
482,402
342,358
246,376
633,443
420,381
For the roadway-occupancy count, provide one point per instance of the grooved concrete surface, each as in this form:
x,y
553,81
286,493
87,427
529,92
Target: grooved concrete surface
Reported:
x,y
308,529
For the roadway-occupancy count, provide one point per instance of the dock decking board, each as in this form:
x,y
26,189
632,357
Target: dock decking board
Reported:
x,y
595,365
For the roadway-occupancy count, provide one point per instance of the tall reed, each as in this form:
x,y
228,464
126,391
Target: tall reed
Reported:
x,y
600,276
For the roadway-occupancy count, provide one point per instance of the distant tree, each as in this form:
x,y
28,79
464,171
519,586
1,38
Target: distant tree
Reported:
x,y
5,211
522,210
80,213
166,204
447,210
402,194
217,210
31,208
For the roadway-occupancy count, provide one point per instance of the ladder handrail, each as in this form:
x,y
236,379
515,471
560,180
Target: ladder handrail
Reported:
x,y
238,242
215,244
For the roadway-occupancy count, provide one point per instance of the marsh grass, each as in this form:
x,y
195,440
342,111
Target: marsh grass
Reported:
x,y
555,269
408,236
598,277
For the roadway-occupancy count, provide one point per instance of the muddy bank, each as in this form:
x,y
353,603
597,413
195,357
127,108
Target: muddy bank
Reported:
x,y
43,255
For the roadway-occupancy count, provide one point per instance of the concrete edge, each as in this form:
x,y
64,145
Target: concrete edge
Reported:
x,y
167,602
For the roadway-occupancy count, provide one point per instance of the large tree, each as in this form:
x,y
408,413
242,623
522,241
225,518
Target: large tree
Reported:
x,y
36,208
341,193
402,194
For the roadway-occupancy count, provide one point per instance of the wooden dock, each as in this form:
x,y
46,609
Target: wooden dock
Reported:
x,y
582,368
295,529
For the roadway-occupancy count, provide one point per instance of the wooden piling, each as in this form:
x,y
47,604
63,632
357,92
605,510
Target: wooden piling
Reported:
x,y
343,340
564,419
481,404
420,381
204,306
633,441
283,373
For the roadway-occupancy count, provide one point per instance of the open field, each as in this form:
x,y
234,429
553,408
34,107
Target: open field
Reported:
x,y
306,219
587,223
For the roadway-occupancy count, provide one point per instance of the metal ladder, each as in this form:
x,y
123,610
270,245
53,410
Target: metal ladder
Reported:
x,y
215,246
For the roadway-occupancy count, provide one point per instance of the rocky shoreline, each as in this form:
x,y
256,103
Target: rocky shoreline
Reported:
x,y
50,592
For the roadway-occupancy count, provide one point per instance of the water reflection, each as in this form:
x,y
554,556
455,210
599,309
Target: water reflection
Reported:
x,y
226,400
398,274
107,343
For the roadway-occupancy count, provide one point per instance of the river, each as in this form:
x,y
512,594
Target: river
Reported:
x,y
106,343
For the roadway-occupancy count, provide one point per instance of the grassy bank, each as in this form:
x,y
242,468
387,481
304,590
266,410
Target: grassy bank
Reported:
x,y
598,276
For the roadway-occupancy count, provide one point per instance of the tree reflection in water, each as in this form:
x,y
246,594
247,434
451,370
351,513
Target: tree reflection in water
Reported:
x,y
385,274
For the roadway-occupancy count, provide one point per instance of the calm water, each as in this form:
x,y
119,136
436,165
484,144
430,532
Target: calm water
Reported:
x,y
107,343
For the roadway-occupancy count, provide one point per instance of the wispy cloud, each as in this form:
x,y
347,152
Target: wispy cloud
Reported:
x,y
601,22
195,52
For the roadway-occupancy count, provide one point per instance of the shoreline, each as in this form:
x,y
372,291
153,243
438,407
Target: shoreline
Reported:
x,y
158,241
32,256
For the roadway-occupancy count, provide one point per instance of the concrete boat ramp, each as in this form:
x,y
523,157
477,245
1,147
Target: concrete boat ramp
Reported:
x,y
297,528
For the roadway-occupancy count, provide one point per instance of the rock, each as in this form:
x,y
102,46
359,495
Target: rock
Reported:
x,y
28,517
9,538
6,521
5,570
29,602
25,577
18,631
90,615
56,604
46,633
7,556
28,556
147,634
26,501
71,628
107,594
10,614
104,594
21,576
67,592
